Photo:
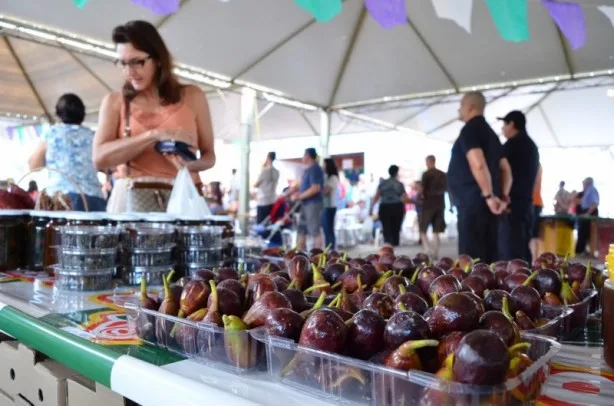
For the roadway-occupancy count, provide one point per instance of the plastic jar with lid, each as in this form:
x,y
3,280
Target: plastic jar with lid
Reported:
x,y
228,236
158,218
37,239
13,239
191,221
80,218
57,219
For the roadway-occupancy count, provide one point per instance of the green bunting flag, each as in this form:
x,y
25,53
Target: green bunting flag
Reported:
x,y
322,10
510,18
80,3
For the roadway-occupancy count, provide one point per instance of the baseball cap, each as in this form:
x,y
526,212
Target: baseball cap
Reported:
x,y
516,117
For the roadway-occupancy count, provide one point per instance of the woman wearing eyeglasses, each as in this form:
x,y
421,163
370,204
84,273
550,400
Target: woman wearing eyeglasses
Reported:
x,y
152,106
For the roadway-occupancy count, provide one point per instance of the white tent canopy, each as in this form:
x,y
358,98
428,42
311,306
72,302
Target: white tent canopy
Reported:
x,y
349,62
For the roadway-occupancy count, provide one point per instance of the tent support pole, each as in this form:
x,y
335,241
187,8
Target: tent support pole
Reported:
x,y
248,108
324,133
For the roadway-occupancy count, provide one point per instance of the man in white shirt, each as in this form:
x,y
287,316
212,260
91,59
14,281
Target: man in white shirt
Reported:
x,y
267,188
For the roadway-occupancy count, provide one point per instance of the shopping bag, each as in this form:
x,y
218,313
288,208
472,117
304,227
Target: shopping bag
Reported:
x,y
185,200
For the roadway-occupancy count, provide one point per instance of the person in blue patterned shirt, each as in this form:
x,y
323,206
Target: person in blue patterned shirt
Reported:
x,y
67,147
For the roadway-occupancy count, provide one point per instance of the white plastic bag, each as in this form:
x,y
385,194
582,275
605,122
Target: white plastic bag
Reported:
x,y
185,200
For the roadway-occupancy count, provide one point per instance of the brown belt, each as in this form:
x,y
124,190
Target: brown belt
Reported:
x,y
162,186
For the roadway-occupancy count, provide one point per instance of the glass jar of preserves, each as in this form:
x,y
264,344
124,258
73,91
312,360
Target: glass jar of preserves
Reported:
x,y
13,239
37,240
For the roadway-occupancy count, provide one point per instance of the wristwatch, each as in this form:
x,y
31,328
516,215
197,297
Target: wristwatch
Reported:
x,y
487,197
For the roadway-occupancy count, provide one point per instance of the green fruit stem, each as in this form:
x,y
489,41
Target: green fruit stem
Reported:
x,y
414,277
292,284
336,285
380,281
328,247
531,278
335,301
144,289
352,373
475,261
170,275
434,298
359,281
214,300
402,289
505,308
317,275
320,301
198,314
408,347
314,287
520,347
167,289
402,306
233,323
345,256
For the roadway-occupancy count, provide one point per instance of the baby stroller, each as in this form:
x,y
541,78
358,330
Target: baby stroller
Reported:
x,y
270,230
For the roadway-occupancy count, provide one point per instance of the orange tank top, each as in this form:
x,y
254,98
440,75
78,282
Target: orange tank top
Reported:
x,y
177,119
537,195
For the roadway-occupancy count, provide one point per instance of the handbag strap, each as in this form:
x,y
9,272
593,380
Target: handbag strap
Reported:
x,y
127,129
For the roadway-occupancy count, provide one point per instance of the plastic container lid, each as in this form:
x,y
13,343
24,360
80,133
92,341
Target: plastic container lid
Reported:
x,y
39,213
150,229
81,215
191,218
219,218
89,252
200,229
147,269
158,217
14,213
91,230
59,270
127,217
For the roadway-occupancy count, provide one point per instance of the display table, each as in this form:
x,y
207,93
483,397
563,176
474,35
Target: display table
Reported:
x,y
556,234
89,334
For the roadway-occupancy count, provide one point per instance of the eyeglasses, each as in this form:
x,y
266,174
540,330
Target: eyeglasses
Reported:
x,y
132,63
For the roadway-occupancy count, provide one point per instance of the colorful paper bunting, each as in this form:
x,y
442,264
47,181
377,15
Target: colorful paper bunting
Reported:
x,y
322,10
80,3
388,13
458,11
9,133
510,18
20,133
608,11
569,17
160,7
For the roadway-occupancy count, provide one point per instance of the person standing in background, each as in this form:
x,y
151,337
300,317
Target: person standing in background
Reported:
x,y
330,202
33,190
434,186
562,200
267,188
477,175
67,147
311,199
538,206
392,206
589,206
516,228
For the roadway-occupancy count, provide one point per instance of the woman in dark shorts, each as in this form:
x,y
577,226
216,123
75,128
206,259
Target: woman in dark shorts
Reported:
x,y
392,206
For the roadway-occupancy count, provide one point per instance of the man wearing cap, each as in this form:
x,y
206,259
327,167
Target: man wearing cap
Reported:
x,y
478,175
267,188
311,199
522,154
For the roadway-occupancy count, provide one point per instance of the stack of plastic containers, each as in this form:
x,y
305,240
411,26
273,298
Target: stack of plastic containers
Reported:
x,y
199,247
86,257
146,251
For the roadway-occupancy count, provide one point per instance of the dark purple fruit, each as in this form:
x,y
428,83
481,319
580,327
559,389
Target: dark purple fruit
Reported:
x,y
299,269
487,276
426,276
453,312
481,359
260,310
476,284
528,300
515,264
281,283
494,301
547,281
226,273
410,302
442,285
204,275
380,303
421,258
576,272
403,327
500,266
233,285
513,281
324,330
458,273
445,263
391,286
283,322
448,345
333,272
497,322
477,301
500,276
365,334
297,299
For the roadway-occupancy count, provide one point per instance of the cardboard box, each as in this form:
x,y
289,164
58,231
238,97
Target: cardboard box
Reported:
x,y
9,361
83,391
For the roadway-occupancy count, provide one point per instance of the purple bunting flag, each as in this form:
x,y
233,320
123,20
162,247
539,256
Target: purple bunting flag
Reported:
x,y
160,7
388,13
9,132
569,17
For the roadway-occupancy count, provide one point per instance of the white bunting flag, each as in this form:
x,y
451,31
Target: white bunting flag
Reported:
x,y
608,11
458,11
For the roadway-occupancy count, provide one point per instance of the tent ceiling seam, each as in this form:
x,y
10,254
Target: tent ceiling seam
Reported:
x,y
89,70
362,16
309,123
422,110
27,78
566,54
549,124
433,55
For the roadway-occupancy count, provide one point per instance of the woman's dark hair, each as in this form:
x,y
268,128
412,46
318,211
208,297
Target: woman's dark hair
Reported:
x,y
215,190
393,171
330,167
32,186
70,109
145,37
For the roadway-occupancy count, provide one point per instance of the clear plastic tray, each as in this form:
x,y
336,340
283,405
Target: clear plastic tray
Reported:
x,y
200,256
200,236
94,280
318,373
575,323
89,237
147,258
204,343
153,274
554,327
147,236
86,260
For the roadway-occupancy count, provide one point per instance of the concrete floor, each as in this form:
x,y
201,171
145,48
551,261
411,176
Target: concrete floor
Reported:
x,y
449,248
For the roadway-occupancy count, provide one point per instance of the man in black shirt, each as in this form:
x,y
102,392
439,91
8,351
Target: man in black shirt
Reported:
x,y
434,187
478,175
523,157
